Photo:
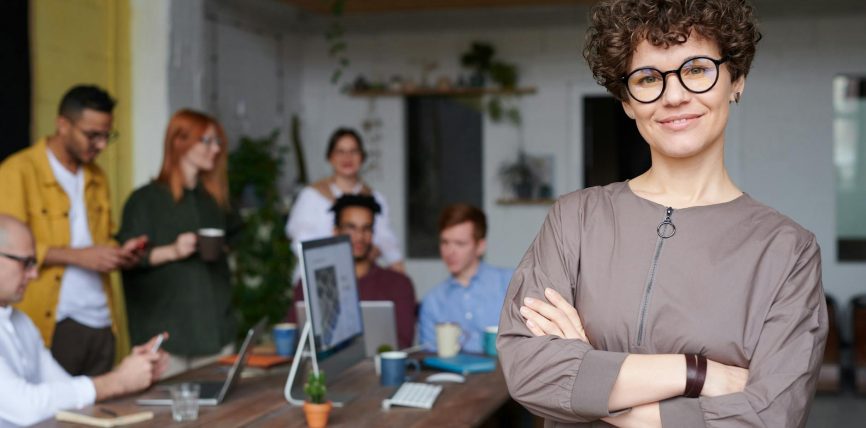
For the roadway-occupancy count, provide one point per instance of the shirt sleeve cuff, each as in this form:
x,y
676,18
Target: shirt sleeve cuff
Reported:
x,y
594,381
85,391
681,412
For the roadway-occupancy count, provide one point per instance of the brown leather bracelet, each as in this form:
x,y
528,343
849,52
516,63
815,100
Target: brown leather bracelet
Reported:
x,y
698,384
691,373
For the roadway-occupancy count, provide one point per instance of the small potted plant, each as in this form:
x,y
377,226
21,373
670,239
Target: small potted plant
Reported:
x,y
316,409
519,176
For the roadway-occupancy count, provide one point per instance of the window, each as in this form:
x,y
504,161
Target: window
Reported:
x,y
613,148
849,155
445,164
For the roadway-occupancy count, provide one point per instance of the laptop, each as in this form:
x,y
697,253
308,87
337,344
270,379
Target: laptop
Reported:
x,y
212,393
380,325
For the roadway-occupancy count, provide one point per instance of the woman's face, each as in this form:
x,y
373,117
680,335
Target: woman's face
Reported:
x,y
682,124
202,155
346,158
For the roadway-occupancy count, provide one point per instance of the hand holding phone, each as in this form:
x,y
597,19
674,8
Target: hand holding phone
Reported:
x,y
158,343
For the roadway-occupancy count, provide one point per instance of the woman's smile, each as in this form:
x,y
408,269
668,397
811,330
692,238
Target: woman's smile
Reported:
x,y
680,122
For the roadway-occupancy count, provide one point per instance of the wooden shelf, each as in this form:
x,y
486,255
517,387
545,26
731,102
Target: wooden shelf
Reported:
x,y
452,92
533,201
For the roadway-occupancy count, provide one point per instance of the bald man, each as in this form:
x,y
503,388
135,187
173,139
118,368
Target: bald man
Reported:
x,y
33,386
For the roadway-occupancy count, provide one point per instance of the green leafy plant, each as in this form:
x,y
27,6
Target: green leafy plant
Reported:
x,y
315,387
519,176
384,348
480,58
262,260
335,36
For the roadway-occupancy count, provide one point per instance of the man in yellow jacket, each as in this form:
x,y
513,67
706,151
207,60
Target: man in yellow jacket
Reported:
x,y
62,195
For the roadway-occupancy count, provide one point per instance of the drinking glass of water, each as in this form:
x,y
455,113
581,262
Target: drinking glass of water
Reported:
x,y
184,401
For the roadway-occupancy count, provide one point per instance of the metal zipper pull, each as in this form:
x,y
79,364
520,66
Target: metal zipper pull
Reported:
x,y
667,228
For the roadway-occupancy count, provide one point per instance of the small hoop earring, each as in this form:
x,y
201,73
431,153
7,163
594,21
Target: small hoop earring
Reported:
x,y
737,97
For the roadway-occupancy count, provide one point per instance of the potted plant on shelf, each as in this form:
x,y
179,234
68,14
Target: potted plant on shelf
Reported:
x,y
481,60
519,177
316,409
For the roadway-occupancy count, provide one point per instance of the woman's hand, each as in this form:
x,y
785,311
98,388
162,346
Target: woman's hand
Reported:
x,y
184,245
557,318
722,379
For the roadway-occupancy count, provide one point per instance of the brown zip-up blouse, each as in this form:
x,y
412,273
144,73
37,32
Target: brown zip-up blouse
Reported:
x,y
737,282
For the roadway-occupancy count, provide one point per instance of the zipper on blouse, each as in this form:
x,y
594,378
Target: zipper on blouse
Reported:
x,y
665,230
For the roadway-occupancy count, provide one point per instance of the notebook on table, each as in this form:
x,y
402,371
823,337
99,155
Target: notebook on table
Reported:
x,y
462,363
101,416
211,393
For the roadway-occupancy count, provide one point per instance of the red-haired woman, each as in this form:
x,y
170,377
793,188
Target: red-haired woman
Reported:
x,y
173,289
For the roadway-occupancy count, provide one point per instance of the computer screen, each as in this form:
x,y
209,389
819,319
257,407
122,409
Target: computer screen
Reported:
x,y
331,291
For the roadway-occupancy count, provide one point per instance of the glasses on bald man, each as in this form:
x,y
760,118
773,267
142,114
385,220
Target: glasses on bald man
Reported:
x,y
27,262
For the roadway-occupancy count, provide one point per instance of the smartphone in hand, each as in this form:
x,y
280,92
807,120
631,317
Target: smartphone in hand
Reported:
x,y
158,343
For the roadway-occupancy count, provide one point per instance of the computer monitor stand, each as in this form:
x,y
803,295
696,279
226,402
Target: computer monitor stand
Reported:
x,y
333,365
305,340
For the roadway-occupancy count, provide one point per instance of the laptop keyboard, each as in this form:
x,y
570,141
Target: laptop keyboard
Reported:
x,y
210,389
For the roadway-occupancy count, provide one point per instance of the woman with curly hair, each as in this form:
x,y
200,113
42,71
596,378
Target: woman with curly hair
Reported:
x,y
674,298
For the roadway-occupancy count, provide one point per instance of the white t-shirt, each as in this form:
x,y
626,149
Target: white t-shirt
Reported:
x,y
81,295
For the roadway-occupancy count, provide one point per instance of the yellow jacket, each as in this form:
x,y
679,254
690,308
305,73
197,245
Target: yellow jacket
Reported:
x,y
29,192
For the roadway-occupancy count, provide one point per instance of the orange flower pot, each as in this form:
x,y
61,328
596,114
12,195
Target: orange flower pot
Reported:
x,y
317,414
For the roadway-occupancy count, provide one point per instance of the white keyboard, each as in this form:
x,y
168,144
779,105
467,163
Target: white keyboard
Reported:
x,y
413,394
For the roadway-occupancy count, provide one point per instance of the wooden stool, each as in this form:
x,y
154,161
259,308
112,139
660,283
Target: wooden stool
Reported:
x,y
830,374
858,317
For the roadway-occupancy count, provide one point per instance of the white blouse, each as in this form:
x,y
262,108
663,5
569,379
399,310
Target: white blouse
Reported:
x,y
311,218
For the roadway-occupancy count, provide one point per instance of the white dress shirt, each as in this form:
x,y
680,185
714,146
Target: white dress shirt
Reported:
x,y
311,218
33,387
81,295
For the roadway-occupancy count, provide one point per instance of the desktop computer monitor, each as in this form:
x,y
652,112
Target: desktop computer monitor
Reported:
x,y
331,291
333,308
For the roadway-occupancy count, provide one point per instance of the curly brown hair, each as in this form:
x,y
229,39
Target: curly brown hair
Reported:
x,y
619,26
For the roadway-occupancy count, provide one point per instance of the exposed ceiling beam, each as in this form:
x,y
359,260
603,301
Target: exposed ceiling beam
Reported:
x,y
381,6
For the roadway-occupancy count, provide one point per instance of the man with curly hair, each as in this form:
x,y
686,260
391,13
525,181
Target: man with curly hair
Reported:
x,y
674,298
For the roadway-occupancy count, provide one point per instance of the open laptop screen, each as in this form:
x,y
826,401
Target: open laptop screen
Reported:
x,y
212,393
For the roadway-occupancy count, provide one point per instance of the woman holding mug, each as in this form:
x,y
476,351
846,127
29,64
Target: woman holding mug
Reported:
x,y
177,288
674,298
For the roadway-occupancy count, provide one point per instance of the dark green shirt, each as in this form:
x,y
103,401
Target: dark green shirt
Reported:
x,y
190,298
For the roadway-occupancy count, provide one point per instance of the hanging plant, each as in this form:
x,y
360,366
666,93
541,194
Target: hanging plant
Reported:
x,y
481,60
335,36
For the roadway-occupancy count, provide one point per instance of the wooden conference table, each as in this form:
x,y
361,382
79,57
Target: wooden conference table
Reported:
x,y
258,402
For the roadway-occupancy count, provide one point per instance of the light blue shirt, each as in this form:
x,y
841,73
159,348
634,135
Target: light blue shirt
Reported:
x,y
474,307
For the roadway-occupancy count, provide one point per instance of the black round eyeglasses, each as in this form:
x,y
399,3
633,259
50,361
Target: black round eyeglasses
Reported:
x,y
697,75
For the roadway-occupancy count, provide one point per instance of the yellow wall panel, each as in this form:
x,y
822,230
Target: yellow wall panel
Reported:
x,y
87,41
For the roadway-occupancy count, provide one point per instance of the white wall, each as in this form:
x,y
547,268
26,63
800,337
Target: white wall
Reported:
x,y
779,146
785,143
150,43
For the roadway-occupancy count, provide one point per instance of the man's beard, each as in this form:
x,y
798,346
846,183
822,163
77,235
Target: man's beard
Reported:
x,y
365,256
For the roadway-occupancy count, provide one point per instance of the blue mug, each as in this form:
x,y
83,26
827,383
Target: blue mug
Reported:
x,y
393,366
284,335
490,340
